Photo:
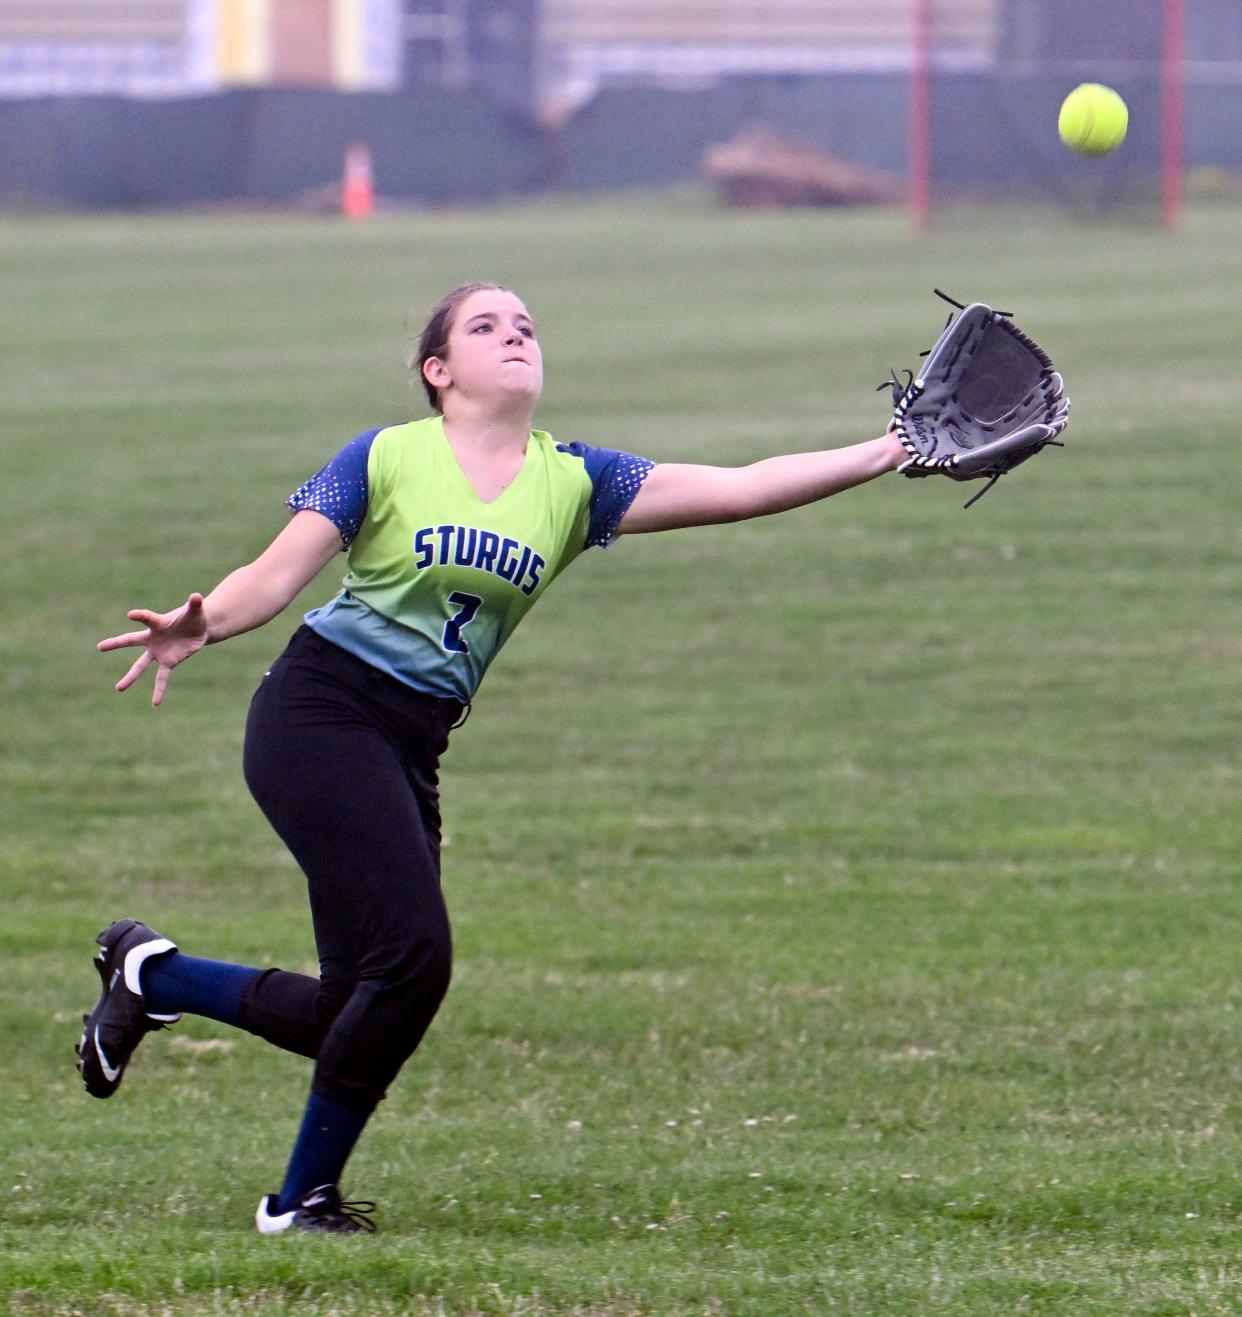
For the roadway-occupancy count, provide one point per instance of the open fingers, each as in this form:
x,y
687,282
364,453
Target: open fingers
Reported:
x,y
129,638
141,664
161,682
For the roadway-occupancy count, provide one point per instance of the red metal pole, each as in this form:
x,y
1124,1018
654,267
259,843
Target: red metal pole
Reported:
x,y
920,115
1173,127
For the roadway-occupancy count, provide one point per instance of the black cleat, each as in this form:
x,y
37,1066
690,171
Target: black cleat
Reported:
x,y
321,1209
119,1021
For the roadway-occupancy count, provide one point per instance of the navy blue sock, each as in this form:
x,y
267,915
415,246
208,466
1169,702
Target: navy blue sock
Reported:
x,y
327,1137
177,982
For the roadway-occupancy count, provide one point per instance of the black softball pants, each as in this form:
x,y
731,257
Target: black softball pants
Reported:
x,y
343,759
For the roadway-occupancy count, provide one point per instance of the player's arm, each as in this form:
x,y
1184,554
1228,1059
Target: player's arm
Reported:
x,y
676,494
245,599
257,592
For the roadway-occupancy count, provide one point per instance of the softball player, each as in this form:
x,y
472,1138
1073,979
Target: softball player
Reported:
x,y
454,526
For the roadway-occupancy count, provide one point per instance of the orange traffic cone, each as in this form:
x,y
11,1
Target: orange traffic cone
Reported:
x,y
358,186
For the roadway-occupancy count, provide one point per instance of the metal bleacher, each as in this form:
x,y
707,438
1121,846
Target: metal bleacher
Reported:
x,y
86,47
92,20
836,33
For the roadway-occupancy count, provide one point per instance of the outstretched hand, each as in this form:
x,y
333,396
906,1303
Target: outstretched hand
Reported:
x,y
169,639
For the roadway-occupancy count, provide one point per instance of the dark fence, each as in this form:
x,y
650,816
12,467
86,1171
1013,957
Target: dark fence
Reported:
x,y
266,146
444,147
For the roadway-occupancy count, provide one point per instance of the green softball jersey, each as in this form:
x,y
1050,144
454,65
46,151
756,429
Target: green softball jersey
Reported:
x,y
438,579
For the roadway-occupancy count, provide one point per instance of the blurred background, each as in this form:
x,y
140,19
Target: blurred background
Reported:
x,y
170,103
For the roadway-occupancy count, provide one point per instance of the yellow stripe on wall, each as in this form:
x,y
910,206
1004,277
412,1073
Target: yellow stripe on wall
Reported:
x,y
244,41
348,50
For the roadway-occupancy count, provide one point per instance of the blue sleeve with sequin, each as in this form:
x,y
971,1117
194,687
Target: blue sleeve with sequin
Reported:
x,y
339,490
616,479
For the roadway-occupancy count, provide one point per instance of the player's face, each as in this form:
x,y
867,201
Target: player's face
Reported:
x,y
493,354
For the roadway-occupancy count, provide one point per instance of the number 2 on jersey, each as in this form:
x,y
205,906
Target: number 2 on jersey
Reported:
x,y
468,606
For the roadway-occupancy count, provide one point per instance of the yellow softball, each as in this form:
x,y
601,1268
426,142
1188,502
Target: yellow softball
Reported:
x,y
1093,119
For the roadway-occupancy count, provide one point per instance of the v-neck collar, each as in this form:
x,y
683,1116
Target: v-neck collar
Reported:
x,y
464,480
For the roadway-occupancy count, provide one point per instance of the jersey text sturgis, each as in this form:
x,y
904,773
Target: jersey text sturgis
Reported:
x,y
468,546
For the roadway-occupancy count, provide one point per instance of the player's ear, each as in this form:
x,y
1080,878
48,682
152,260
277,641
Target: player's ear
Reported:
x,y
436,373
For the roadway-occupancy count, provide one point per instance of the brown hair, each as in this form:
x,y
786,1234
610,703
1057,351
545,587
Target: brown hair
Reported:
x,y
433,341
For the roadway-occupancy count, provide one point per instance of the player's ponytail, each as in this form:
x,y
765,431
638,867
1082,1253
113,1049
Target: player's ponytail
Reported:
x,y
433,341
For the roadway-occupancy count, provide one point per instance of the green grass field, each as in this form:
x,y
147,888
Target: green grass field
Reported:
x,y
846,903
